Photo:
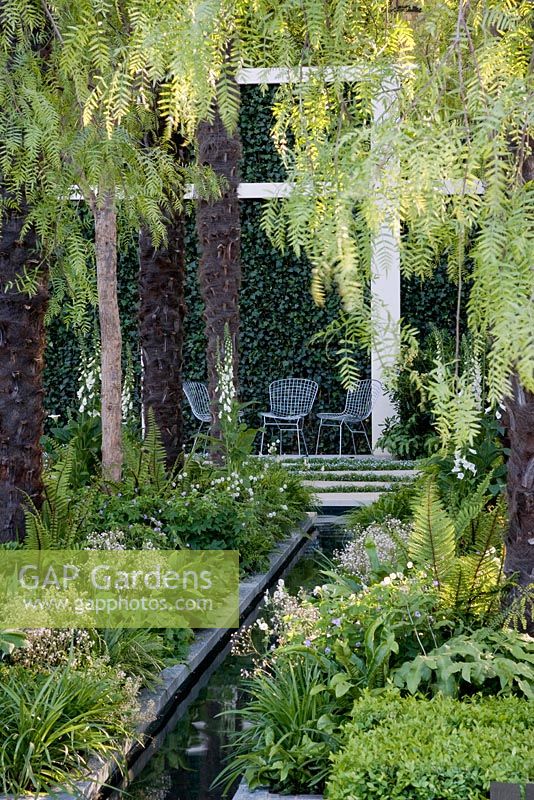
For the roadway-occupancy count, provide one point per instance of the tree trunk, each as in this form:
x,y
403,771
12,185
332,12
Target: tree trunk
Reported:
x,y
110,336
161,334
520,490
22,343
219,234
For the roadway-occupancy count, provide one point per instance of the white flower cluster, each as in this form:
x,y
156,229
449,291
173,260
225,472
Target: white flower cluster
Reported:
x,y
105,540
287,611
236,485
89,385
463,465
388,538
127,399
47,648
225,384
476,385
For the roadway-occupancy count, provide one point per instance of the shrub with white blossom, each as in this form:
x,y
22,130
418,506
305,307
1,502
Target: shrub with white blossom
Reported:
x,y
386,540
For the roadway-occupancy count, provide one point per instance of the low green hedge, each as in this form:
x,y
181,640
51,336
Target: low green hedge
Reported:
x,y
439,749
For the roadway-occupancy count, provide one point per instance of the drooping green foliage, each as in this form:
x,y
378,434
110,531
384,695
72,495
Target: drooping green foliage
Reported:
x,y
452,158
59,144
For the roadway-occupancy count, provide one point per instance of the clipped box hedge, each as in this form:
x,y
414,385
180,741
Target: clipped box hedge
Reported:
x,y
439,749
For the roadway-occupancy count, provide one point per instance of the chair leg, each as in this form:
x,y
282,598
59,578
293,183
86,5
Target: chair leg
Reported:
x,y
197,434
304,439
318,436
298,437
340,436
262,440
367,438
353,441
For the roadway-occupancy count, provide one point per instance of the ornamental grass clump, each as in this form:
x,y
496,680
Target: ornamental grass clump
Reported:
x,y
292,729
51,724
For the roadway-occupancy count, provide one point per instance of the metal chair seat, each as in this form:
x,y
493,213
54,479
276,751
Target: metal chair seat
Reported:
x,y
290,400
339,417
281,417
358,407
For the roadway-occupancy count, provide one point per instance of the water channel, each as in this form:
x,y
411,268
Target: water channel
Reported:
x,y
194,753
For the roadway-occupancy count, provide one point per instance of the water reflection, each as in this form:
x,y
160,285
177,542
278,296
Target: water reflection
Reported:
x,y
195,751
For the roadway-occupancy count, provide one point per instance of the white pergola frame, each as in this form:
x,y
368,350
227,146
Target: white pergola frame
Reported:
x,y
385,263
385,248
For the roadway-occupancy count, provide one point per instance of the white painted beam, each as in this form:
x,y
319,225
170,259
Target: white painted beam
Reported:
x,y
385,266
278,75
269,190
252,191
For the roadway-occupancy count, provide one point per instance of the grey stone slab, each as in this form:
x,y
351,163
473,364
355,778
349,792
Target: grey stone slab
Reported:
x,y
244,793
398,473
316,484
346,500
154,701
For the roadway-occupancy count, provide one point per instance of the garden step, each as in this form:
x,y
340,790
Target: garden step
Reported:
x,y
346,500
398,473
356,484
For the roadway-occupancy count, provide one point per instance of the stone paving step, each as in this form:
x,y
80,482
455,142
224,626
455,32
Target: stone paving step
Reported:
x,y
356,484
343,456
345,500
401,473
330,520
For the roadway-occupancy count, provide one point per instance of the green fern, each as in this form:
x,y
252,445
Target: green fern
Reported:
x,y
433,542
60,521
469,573
145,462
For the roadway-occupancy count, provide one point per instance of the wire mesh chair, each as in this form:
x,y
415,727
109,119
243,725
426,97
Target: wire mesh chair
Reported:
x,y
358,407
199,400
291,400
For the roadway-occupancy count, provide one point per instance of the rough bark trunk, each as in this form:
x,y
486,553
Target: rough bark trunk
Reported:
x,y
520,490
110,336
161,317
22,343
219,234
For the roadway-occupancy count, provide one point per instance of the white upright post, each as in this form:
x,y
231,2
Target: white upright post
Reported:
x,y
385,268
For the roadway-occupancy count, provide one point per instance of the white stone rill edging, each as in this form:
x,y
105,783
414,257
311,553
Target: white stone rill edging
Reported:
x,y
206,653
244,793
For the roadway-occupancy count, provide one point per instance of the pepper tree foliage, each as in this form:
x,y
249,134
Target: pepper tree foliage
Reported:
x,y
55,57
60,76
458,81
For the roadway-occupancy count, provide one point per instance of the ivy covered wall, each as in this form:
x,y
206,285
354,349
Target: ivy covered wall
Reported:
x,y
278,316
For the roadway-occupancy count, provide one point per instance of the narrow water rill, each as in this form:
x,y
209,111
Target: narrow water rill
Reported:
x,y
195,750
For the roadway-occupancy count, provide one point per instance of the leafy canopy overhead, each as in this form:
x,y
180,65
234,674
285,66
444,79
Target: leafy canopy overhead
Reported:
x,y
456,110
71,124
459,81
443,100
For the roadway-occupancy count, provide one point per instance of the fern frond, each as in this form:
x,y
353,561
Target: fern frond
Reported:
x,y
432,543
